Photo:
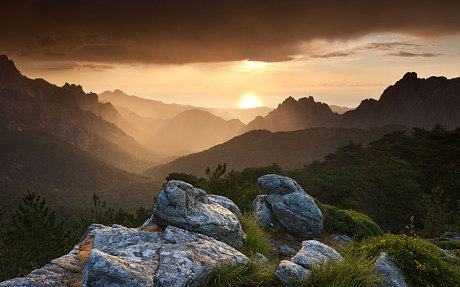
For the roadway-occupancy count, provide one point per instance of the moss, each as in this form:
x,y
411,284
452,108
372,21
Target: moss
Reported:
x,y
348,222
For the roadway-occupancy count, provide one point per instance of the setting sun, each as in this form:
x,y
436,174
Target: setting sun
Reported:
x,y
249,100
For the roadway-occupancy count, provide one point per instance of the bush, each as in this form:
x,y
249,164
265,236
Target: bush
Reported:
x,y
355,270
422,262
256,238
229,275
348,222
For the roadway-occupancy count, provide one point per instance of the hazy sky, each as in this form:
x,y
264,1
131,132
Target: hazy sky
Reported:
x,y
213,53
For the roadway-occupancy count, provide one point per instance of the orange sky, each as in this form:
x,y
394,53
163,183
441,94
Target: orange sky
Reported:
x,y
329,75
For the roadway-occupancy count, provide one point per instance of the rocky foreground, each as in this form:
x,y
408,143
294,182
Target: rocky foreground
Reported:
x,y
191,233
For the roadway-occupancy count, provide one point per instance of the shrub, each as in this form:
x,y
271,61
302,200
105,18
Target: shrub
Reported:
x,y
348,222
422,262
356,270
256,238
229,275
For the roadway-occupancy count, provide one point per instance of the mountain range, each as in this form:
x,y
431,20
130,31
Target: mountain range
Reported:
x,y
410,102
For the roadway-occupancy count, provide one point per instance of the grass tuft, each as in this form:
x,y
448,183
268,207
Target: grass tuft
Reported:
x,y
254,275
356,270
257,240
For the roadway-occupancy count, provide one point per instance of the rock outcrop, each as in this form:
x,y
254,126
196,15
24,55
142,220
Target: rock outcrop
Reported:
x,y
292,207
312,254
390,272
133,257
181,205
63,271
451,235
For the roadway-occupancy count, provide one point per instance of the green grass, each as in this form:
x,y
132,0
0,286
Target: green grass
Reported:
x,y
354,271
448,244
254,275
257,240
422,263
348,222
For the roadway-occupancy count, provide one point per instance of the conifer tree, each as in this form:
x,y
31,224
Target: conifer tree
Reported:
x,y
437,215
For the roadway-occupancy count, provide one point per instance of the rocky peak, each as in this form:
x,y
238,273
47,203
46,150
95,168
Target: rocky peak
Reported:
x,y
10,77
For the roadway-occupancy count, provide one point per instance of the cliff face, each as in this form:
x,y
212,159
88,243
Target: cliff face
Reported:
x,y
66,112
410,102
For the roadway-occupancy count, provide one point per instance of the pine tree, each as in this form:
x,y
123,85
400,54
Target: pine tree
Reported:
x,y
437,215
33,237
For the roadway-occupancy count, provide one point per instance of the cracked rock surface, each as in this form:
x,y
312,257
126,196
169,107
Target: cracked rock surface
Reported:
x,y
181,205
133,257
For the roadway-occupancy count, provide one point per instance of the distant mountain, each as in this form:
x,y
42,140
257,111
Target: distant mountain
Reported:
x,y
65,174
192,131
293,115
260,147
67,113
159,110
340,110
410,102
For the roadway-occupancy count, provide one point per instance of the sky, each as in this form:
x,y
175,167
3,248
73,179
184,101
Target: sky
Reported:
x,y
233,53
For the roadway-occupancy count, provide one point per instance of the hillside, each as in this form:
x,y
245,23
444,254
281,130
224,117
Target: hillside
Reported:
x,y
192,131
65,112
410,102
261,147
66,175
159,110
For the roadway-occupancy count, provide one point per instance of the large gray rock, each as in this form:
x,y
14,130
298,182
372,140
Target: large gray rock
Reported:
x,y
277,184
391,274
291,206
288,272
133,257
63,271
314,253
225,202
263,212
180,204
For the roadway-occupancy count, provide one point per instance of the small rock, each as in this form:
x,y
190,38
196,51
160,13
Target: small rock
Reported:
x,y
448,253
452,235
345,238
181,205
286,250
262,212
392,275
225,202
313,253
288,272
260,259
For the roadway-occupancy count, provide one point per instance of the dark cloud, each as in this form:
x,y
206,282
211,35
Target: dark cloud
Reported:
x,y
170,31
408,54
332,55
390,45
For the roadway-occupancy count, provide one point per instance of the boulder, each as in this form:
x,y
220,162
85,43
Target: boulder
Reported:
x,y
448,253
277,184
286,250
392,275
133,257
63,271
313,253
225,202
181,205
452,235
291,206
288,272
262,212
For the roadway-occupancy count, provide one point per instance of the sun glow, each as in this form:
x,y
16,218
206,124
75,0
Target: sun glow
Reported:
x,y
253,66
249,100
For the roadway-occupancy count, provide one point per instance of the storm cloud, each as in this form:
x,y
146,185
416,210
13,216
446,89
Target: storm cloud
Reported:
x,y
187,31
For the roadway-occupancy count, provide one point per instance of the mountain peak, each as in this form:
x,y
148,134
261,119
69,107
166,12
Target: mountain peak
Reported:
x,y
410,76
9,75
